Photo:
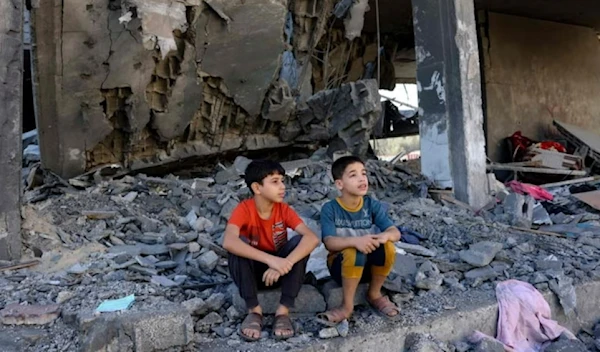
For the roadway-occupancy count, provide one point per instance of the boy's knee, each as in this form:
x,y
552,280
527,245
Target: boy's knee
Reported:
x,y
387,264
390,252
353,263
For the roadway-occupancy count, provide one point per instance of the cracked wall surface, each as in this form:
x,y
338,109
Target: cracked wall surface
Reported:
x,y
144,83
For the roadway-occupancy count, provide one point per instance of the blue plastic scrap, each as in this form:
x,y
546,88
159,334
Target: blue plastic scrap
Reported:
x,y
115,305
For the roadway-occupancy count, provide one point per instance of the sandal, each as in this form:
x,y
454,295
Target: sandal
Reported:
x,y
332,317
253,321
283,323
384,307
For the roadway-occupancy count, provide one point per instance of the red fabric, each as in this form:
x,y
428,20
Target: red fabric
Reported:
x,y
520,143
266,235
550,145
537,192
524,318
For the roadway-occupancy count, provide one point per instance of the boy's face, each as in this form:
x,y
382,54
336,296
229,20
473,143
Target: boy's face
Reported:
x,y
354,180
272,188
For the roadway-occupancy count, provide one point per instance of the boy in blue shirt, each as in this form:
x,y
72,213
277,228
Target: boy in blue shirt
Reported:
x,y
360,237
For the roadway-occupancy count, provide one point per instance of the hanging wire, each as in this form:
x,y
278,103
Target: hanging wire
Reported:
x,y
375,144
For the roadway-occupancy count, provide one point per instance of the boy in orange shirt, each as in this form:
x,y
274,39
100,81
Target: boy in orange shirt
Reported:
x,y
260,254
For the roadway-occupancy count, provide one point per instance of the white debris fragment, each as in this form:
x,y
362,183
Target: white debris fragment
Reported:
x,y
159,19
126,18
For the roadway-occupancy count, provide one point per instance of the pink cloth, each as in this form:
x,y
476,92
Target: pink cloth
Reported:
x,y
537,192
524,319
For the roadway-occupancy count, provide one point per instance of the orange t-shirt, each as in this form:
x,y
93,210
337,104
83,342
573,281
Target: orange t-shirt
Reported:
x,y
266,235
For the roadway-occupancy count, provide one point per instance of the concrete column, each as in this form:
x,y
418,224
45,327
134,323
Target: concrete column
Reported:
x,y
449,83
11,92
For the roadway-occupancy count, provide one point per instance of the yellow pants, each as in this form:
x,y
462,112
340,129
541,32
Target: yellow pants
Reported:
x,y
350,263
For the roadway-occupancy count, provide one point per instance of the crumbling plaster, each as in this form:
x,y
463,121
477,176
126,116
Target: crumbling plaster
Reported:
x,y
142,83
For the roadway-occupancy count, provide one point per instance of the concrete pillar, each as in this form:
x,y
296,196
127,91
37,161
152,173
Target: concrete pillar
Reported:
x,y
449,83
11,92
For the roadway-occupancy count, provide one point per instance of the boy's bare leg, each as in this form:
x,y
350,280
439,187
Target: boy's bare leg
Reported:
x,y
349,287
374,292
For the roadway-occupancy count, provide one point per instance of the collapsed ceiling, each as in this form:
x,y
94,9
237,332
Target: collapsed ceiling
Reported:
x,y
144,83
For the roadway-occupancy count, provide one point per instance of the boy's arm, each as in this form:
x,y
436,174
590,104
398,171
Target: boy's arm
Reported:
x,y
333,243
307,244
382,221
391,234
234,245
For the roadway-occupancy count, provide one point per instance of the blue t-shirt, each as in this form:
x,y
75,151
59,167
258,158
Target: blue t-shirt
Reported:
x,y
369,217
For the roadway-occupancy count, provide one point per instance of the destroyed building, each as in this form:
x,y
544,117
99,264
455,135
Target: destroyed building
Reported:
x,y
140,85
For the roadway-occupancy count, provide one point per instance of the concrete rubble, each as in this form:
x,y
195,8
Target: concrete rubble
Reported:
x,y
105,236
161,80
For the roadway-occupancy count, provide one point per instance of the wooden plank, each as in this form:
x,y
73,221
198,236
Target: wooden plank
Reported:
x,y
20,265
590,198
535,170
11,111
448,198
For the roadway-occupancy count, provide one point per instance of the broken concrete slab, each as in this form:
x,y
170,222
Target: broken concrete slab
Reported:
x,y
258,39
16,314
160,18
357,108
140,331
309,300
481,254
184,99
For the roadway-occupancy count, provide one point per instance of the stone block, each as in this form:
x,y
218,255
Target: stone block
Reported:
x,y
334,295
520,209
142,331
309,300
481,254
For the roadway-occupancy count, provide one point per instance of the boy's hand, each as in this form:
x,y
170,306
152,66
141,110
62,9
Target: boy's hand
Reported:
x,y
270,277
383,238
367,244
281,265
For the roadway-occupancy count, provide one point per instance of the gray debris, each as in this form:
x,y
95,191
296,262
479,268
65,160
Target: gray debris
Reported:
x,y
163,281
415,249
488,344
428,277
566,344
343,328
208,261
215,301
481,254
206,323
196,306
563,287
328,333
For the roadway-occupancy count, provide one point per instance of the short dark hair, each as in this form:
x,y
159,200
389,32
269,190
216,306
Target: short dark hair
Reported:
x,y
340,165
257,170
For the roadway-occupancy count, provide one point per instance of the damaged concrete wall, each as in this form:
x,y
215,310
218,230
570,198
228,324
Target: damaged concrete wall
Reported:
x,y
142,83
537,71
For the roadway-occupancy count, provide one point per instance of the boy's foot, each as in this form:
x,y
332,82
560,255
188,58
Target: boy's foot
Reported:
x,y
334,316
283,328
251,327
385,307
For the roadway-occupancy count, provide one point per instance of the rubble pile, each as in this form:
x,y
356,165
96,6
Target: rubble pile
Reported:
x,y
106,236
